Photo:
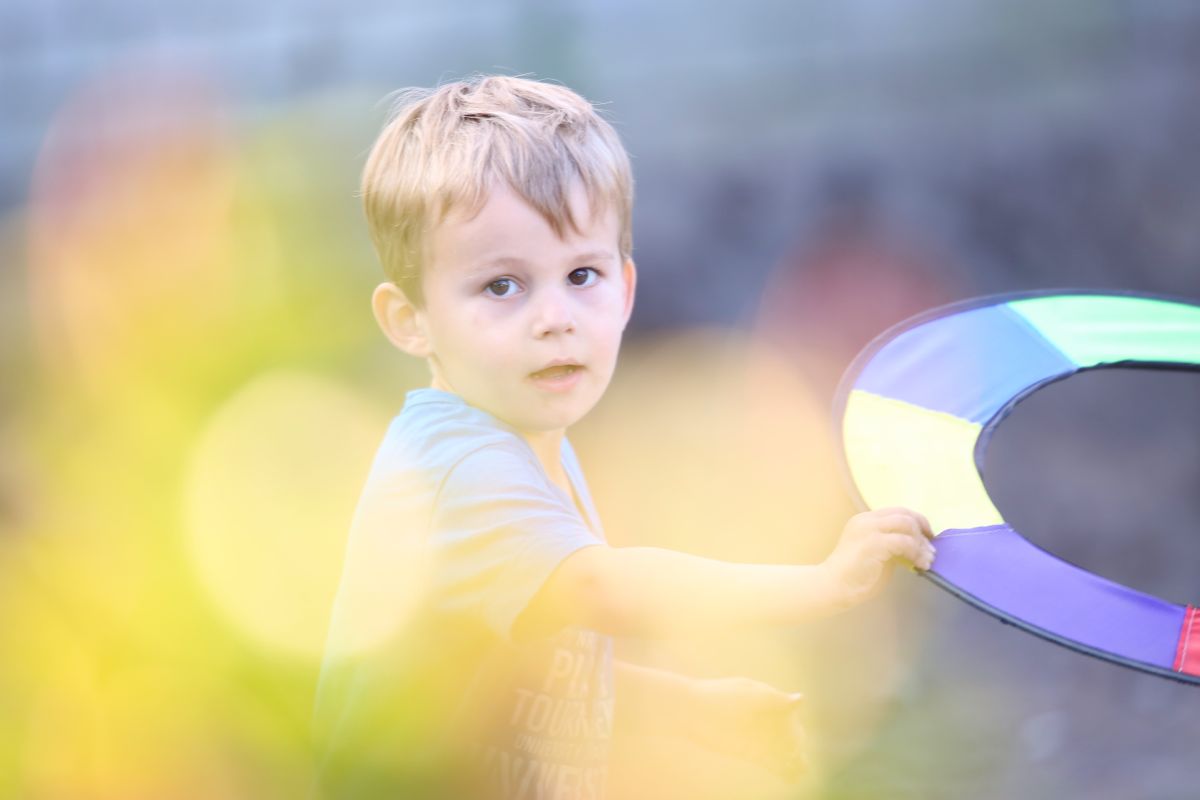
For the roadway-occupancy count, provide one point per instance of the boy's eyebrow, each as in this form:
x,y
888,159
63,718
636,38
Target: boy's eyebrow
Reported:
x,y
595,255
499,261
517,261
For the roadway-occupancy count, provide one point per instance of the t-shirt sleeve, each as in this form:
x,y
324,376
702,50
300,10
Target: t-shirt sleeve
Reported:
x,y
497,533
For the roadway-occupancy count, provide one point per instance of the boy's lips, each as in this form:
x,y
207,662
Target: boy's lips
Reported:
x,y
557,376
559,366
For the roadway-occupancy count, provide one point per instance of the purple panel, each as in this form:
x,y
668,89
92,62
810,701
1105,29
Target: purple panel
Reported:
x,y
1001,568
968,364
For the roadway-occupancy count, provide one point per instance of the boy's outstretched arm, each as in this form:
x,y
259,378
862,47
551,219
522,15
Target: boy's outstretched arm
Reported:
x,y
649,591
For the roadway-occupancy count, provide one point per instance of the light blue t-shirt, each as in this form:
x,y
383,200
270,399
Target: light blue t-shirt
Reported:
x,y
423,693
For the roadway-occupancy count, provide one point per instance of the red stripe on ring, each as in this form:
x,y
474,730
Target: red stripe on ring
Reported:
x,y
1187,658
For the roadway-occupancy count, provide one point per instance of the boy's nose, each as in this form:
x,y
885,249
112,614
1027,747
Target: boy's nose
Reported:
x,y
553,315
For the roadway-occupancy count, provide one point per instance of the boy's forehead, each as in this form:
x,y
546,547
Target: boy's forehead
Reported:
x,y
499,199
506,228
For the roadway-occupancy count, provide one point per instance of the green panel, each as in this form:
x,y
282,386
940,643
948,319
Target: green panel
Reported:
x,y
1093,330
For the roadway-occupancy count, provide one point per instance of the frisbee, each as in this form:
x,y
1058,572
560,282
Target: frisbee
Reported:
x,y
917,408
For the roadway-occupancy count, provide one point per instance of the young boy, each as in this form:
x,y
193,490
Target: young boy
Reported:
x,y
470,652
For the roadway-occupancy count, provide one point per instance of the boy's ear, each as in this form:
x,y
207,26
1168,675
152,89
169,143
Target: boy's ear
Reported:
x,y
629,274
401,321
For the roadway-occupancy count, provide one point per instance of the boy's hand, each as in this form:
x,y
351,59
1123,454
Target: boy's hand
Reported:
x,y
870,543
753,721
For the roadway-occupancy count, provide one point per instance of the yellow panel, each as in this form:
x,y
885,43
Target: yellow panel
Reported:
x,y
904,455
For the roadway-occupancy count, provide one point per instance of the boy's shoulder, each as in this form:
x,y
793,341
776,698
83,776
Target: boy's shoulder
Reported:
x,y
437,431
445,459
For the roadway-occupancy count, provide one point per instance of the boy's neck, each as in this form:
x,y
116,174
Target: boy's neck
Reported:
x,y
547,446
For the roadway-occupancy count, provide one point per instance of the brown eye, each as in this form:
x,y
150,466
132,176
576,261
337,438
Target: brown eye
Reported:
x,y
501,287
584,276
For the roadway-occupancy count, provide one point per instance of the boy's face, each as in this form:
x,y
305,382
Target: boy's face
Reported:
x,y
519,322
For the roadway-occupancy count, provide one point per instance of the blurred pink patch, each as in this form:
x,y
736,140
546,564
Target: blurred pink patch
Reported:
x,y
130,206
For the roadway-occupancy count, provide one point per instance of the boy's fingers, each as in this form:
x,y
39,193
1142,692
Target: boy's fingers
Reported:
x,y
903,523
917,551
902,545
910,524
922,522
926,528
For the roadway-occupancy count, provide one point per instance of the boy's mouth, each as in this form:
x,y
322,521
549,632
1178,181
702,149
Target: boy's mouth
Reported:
x,y
556,371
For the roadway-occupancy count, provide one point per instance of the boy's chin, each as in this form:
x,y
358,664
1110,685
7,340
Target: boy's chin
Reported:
x,y
547,420
545,423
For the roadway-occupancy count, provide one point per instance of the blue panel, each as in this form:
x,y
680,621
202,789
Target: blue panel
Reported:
x,y
999,567
967,364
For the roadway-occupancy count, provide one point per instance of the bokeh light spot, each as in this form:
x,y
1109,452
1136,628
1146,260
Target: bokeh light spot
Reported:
x,y
269,499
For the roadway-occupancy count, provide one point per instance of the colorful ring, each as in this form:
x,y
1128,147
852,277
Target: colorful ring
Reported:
x,y
917,409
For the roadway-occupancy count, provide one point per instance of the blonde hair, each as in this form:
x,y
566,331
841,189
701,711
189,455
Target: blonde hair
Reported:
x,y
443,148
